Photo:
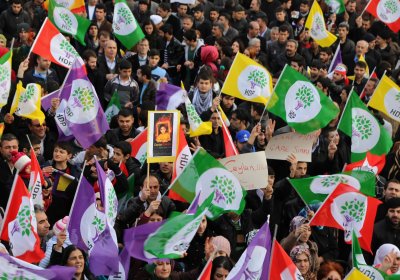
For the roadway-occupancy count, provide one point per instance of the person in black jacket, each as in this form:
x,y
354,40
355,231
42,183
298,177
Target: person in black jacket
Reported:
x,y
10,19
125,131
9,144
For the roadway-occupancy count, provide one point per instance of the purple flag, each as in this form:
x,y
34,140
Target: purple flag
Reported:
x,y
86,222
169,97
107,195
337,59
124,264
194,205
13,268
254,262
80,113
46,100
134,239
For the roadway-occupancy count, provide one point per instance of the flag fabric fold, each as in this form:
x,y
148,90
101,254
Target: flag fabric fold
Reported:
x,y
298,102
20,226
13,268
230,148
248,80
126,28
349,210
5,77
282,266
336,6
386,98
36,180
255,260
27,102
139,147
52,45
68,22
337,59
113,107
169,97
371,163
387,11
197,126
316,24
367,134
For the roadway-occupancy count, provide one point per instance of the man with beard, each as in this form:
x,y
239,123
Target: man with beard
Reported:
x,y
388,229
289,54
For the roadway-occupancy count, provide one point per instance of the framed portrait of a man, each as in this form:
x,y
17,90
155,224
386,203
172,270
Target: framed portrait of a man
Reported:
x,y
163,133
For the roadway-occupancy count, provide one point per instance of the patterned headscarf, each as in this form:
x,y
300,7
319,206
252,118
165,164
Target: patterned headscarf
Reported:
x,y
298,250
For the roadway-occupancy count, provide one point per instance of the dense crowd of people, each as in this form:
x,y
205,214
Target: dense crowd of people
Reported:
x,y
195,44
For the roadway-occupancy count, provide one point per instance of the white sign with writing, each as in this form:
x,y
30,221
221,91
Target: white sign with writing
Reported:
x,y
282,145
251,169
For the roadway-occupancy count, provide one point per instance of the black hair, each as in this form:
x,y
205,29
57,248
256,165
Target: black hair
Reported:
x,y
125,64
271,171
243,115
395,181
283,28
221,262
125,112
124,146
101,6
361,64
67,252
88,54
154,52
190,35
167,28
226,16
64,146
165,6
258,107
146,71
101,143
8,137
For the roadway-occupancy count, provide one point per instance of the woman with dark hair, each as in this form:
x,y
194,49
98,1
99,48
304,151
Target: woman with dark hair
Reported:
x,y
73,256
330,270
92,38
237,46
151,34
221,266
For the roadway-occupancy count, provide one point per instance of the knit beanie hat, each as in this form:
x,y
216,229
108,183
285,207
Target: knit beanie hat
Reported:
x,y
222,244
60,225
20,160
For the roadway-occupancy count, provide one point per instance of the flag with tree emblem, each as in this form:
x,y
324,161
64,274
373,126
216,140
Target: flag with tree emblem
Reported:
x,y
367,134
388,11
125,26
113,107
206,175
248,80
26,102
297,101
52,45
197,126
68,22
349,210
19,226
5,77
315,189
371,163
316,24
172,239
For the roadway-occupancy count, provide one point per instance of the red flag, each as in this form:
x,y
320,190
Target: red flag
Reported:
x,y
20,226
372,163
52,45
139,147
387,11
206,273
36,180
230,149
282,266
123,168
183,157
348,209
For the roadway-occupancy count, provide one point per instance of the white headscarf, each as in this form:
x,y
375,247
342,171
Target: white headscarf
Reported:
x,y
384,250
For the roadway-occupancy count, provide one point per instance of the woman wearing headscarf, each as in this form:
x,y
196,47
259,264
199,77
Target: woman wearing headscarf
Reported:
x,y
387,259
301,257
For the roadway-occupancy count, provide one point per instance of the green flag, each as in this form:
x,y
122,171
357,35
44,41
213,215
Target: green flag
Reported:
x,y
206,175
315,189
337,6
298,102
174,236
68,22
113,107
360,264
364,129
125,26
5,77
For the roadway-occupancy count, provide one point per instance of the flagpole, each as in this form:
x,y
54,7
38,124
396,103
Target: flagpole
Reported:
x,y
377,86
37,36
366,7
334,58
287,178
273,91
9,201
369,78
272,250
345,106
76,192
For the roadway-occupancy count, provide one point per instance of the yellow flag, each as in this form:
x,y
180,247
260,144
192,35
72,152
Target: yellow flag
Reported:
x,y
248,80
355,274
27,102
197,126
362,58
316,24
386,98
224,117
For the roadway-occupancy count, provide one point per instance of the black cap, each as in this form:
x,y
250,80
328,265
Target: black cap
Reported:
x,y
369,37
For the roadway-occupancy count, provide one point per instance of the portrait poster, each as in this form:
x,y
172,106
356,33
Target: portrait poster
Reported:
x,y
163,133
